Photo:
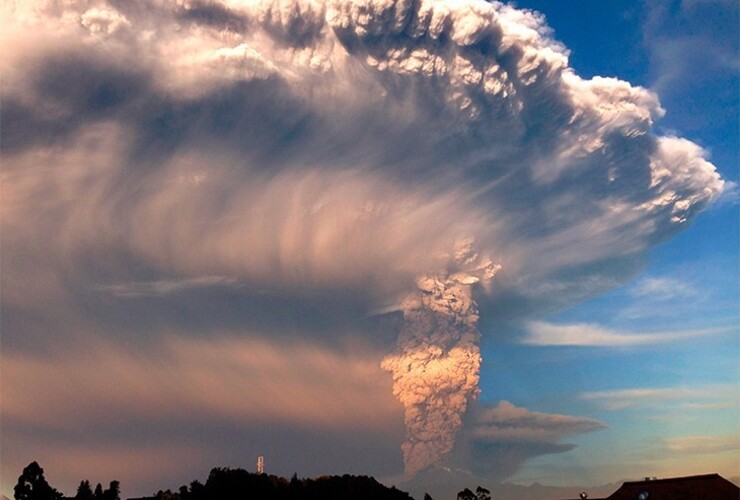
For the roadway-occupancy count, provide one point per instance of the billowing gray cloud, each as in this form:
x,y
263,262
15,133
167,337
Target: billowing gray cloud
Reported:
x,y
315,155
497,440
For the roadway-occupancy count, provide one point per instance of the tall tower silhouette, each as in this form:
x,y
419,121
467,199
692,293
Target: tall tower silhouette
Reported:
x,y
260,465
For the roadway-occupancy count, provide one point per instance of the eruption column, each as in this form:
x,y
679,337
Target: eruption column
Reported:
x,y
437,359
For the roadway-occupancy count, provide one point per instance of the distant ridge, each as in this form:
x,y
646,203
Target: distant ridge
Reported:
x,y
443,483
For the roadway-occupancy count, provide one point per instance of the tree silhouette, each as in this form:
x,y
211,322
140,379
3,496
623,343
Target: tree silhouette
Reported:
x,y
33,486
197,490
113,492
482,493
84,491
466,494
99,492
427,496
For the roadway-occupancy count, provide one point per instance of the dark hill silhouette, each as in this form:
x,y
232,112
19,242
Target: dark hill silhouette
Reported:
x,y
228,484
238,484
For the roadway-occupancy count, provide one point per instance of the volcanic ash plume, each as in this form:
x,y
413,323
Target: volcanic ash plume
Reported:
x,y
437,359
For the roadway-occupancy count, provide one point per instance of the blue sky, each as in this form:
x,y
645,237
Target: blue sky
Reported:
x,y
313,231
688,53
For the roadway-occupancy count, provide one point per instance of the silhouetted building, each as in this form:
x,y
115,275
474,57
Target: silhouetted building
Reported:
x,y
707,486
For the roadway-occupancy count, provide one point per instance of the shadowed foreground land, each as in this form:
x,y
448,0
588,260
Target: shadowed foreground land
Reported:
x,y
238,484
222,484
227,484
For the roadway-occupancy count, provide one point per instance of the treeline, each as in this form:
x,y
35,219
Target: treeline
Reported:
x,y
32,485
238,484
85,492
235,484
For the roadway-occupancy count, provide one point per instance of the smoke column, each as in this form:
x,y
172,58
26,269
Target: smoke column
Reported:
x,y
437,359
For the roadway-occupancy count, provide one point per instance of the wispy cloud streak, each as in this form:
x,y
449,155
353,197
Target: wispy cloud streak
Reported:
x,y
164,287
689,398
593,335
